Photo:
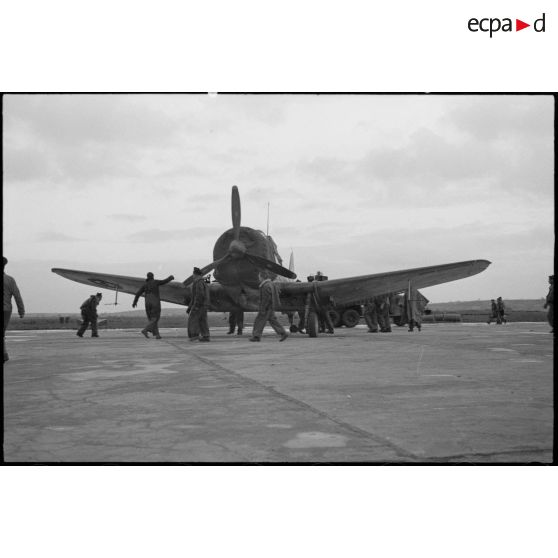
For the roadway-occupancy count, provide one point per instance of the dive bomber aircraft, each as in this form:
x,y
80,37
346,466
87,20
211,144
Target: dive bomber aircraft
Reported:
x,y
241,252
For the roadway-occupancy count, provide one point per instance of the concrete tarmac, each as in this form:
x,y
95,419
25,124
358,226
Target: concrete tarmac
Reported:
x,y
453,393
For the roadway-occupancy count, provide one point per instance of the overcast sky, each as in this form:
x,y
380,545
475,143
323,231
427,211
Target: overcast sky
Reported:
x,y
356,184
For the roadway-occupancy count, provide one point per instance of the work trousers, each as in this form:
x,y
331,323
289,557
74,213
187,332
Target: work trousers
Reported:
x,y
262,318
7,316
371,319
236,319
86,320
549,315
197,323
383,319
153,312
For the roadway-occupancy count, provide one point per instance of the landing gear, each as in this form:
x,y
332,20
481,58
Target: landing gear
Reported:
x,y
312,323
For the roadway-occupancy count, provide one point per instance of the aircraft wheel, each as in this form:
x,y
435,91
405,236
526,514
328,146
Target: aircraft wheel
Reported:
x,y
312,325
350,317
335,318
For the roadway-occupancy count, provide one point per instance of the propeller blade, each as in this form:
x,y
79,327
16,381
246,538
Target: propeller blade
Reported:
x,y
264,263
205,270
235,209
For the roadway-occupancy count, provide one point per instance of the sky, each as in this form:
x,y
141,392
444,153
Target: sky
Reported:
x,y
356,184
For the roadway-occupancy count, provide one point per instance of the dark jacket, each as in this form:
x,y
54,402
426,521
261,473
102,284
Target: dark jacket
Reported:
x,y
151,290
269,297
89,306
200,295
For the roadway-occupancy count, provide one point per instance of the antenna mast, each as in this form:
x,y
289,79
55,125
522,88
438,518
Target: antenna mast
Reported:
x,y
267,231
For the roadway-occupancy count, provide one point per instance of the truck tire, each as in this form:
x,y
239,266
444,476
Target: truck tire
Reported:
x,y
350,317
335,318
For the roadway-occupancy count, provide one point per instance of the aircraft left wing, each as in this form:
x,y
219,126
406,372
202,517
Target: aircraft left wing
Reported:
x,y
174,291
355,290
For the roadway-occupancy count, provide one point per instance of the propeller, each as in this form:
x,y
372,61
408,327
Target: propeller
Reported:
x,y
237,248
258,261
235,209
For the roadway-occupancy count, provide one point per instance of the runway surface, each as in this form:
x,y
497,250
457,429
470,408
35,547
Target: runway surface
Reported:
x,y
453,393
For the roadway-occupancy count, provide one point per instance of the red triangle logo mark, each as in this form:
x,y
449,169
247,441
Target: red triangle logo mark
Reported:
x,y
519,25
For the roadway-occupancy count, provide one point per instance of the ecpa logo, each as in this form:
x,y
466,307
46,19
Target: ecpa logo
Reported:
x,y
493,25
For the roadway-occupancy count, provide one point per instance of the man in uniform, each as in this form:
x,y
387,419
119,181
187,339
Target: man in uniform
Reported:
x,y
10,290
549,303
325,324
152,303
269,299
198,328
371,316
89,315
493,312
414,306
382,311
501,310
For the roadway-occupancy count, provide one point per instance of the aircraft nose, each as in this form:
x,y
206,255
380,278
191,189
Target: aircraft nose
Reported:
x,y
237,249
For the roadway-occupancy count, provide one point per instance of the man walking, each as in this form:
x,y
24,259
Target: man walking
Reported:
x,y
415,303
269,299
382,310
150,289
549,303
89,315
371,316
10,290
198,327
493,312
501,311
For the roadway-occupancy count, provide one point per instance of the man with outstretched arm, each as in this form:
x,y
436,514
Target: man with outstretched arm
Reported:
x,y
152,303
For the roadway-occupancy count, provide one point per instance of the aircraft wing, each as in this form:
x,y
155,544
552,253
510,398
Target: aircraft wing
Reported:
x,y
355,290
174,291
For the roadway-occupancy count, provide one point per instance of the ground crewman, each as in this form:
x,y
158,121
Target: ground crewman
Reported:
x,y
10,290
493,312
382,311
501,309
549,303
150,289
269,300
198,328
89,315
371,316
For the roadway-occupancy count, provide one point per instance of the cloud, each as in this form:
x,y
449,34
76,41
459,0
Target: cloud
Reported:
x,y
160,235
503,117
76,139
88,119
127,217
53,236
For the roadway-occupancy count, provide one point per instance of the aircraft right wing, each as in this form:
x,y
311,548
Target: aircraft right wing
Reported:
x,y
174,291
355,290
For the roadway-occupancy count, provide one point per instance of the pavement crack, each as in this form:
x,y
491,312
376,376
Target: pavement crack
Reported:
x,y
400,451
